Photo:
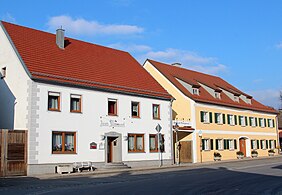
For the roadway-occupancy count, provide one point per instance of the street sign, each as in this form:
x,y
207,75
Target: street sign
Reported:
x,y
158,128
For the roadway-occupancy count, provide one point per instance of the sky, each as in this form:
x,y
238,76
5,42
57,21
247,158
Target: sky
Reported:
x,y
238,40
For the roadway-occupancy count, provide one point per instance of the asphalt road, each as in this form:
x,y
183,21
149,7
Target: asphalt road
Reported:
x,y
261,176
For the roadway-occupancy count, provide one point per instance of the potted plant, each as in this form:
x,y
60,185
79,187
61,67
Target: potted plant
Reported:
x,y
254,153
240,155
217,156
271,152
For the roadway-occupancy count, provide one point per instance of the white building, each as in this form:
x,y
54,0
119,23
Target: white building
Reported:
x,y
79,101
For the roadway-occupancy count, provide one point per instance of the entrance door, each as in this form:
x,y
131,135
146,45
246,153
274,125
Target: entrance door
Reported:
x,y
112,143
242,143
13,157
185,152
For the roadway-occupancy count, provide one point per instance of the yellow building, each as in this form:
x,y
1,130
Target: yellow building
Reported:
x,y
211,116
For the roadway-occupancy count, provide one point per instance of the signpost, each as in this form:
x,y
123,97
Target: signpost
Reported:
x,y
158,129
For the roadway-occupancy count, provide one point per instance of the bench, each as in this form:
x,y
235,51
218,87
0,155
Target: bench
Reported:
x,y
79,166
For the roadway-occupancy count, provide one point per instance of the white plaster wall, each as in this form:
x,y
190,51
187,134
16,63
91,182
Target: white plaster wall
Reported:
x,y
13,88
87,124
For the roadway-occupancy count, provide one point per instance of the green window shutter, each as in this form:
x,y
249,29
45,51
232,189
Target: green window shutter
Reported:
x,y
246,120
250,121
273,123
235,118
223,118
228,119
257,144
225,144
215,118
240,120
266,144
252,141
216,144
256,121
274,143
203,144
268,123
202,116
210,117
265,124
211,142
235,144
260,144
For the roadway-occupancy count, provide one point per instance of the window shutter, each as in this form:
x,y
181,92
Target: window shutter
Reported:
x,y
274,143
273,123
260,144
235,119
210,117
257,144
225,144
250,121
246,119
223,118
215,118
235,144
268,123
203,144
202,116
256,121
228,119
252,144
240,120
265,124
260,122
266,143
216,144
211,142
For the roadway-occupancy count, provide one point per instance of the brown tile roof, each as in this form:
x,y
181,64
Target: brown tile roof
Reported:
x,y
214,82
81,63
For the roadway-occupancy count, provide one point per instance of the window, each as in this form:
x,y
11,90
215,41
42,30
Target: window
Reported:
x,y
263,144
135,109
261,122
236,98
270,123
196,91
230,144
207,144
63,142
254,145
206,117
219,144
217,95
271,144
112,107
75,103
242,121
230,119
156,111
154,142
252,121
218,118
53,101
135,142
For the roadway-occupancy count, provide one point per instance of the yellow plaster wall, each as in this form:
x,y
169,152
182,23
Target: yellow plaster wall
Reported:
x,y
227,127
181,106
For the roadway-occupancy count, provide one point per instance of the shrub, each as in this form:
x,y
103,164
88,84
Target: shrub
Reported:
x,y
254,152
216,154
271,151
240,153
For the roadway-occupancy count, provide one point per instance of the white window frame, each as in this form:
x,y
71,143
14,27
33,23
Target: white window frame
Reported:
x,y
236,98
231,144
262,122
271,144
263,144
253,122
207,144
270,122
220,144
217,95
242,121
219,118
206,117
254,144
195,91
231,119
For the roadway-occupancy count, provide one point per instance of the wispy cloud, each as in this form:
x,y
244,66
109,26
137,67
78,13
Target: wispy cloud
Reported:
x,y
8,18
279,45
269,97
131,47
80,26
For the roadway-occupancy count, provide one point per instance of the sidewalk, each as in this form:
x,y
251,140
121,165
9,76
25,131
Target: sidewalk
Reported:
x,y
141,169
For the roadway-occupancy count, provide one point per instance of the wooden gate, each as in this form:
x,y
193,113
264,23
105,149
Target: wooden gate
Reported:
x,y
185,152
13,155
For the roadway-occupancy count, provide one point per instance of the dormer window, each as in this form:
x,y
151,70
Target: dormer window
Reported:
x,y
196,91
249,101
217,95
236,98
3,72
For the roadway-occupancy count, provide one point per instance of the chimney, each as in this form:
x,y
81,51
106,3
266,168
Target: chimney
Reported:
x,y
60,38
176,64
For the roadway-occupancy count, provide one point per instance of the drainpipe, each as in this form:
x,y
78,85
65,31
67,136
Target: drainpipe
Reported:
x,y
277,133
171,132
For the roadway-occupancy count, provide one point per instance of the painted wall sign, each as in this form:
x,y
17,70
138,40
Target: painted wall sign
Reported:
x,y
112,123
93,145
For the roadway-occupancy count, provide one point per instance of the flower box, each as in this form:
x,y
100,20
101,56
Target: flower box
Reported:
x,y
64,169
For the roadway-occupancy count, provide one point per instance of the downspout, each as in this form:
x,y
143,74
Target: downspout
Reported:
x,y
171,131
277,135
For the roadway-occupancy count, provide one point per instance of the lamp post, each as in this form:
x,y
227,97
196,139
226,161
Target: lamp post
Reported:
x,y
201,145
177,144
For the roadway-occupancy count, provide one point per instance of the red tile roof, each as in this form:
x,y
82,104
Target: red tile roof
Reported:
x,y
193,78
81,63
